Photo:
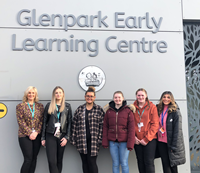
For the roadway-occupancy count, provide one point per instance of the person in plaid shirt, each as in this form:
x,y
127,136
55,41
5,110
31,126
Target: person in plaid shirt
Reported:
x,y
86,133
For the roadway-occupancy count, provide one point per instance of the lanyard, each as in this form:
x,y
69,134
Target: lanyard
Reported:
x,y
162,117
58,113
141,114
32,111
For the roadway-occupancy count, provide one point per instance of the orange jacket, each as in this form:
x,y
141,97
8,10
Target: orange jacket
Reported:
x,y
150,122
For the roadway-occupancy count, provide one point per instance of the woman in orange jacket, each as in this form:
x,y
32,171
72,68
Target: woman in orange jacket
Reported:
x,y
146,127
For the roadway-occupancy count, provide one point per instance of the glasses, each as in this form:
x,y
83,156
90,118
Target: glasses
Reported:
x,y
89,96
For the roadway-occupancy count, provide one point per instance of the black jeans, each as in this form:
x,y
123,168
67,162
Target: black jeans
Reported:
x,y
145,157
54,153
163,150
30,150
89,164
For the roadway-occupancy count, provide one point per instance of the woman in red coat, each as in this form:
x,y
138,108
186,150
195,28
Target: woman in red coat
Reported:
x,y
119,132
146,128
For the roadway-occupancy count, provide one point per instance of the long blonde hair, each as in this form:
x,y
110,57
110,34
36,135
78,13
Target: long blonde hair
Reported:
x,y
171,107
52,106
25,99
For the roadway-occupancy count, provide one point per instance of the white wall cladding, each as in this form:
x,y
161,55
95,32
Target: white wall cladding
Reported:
x,y
154,71
191,9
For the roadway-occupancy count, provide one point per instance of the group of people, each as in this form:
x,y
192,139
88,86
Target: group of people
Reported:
x,y
152,131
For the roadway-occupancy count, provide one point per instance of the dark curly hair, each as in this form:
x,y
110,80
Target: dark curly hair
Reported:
x,y
91,89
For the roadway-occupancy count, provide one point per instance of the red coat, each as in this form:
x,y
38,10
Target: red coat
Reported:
x,y
119,125
150,121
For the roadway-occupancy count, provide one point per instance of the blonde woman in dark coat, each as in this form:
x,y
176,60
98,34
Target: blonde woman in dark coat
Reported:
x,y
56,129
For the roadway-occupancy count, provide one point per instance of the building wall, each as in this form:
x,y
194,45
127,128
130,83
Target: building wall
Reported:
x,y
191,10
154,71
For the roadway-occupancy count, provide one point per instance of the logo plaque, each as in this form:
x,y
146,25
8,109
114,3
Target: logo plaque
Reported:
x,y
92,76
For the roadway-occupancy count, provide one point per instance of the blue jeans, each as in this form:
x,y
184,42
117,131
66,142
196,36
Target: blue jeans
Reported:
x,y
119,154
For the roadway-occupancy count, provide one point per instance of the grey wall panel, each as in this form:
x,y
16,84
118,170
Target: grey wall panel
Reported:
x,y
156,8
124,71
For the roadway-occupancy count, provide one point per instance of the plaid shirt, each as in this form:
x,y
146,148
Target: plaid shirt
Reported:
x,y
78,135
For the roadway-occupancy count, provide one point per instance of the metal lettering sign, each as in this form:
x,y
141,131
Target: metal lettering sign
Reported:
x,y
92,76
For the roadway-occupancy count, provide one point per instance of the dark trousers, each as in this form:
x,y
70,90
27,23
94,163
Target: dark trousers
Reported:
x,y
30,150
54,153
145,157
163,150
89,164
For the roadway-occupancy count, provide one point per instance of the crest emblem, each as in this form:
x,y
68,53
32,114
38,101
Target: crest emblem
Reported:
x,y
92,76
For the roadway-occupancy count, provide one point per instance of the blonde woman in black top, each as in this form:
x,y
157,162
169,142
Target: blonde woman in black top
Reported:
x,y
56,129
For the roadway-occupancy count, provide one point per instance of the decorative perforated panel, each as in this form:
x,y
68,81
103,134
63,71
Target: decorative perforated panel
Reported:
x,y
192,69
